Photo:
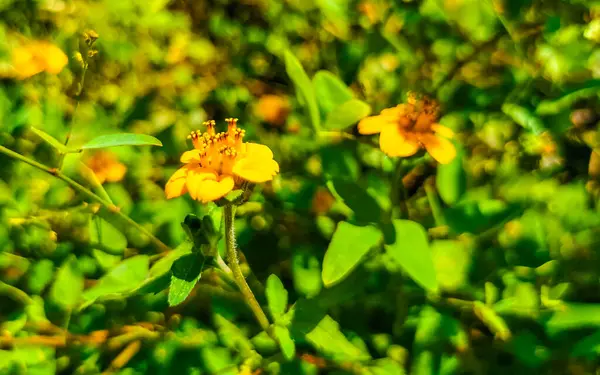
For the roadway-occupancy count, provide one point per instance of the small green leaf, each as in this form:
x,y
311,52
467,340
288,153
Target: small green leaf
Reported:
x,y
571,316
451,179
477,216
327,338
68,286
60,147
524,117
186,273
347,114
331,92
303,84
123,278
105,237
288,348
411,251
493,321
121,139
277,296
350,243
452,262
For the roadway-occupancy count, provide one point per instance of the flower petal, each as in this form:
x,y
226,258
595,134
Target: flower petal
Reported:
x,y
395,142
115,172
443,131
25,62
258,151
195,177
54,58
439,148
192,156
211,190
372,124
176,186
255,170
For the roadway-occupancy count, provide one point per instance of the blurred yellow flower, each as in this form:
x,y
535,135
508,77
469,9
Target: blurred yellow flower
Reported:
x,y
409,127
106,167
219,163
273,109
35,57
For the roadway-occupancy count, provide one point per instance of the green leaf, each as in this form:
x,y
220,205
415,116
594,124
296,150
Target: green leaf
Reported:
x,y
277,296
347,114
186,273
288,348
452,262
303,84
477,216
327,338
589,346
451,179
331,92
14,324
350,243
411,251
105,237
59,146
121,139
68,286
524,117
572,316
366,208
120,280
306,270
493,321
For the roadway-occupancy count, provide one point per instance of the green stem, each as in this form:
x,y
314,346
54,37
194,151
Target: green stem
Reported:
x,y
434,203
15,293
398,193
234,264
88,193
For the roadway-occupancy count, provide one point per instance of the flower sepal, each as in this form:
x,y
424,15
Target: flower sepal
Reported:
x,y
236,197
203,234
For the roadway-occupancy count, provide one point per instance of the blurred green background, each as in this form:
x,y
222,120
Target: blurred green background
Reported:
x,y
493,269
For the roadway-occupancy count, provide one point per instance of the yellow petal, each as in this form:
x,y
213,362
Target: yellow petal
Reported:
x,y
192,156
394,142
439,148
53,57
258,151
211,190
115,172
176,186
195,177
372,124
25,63
256,170
443,130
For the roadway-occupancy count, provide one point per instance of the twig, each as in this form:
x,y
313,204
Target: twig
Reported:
x,y
88,193
125,356
234,264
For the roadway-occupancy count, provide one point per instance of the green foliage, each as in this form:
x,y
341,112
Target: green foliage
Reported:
x,y
411,251
349,245
124,139
361,263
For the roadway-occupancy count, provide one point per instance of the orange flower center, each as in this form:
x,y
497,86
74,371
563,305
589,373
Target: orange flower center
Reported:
x,y
418,115
218,151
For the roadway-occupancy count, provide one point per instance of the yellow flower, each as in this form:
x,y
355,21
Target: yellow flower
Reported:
x,y
106,167
219,163
409,127
38,56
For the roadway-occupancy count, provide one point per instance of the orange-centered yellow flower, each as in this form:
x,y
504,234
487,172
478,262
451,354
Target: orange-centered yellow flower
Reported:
x,y
219,163
37,56
409,127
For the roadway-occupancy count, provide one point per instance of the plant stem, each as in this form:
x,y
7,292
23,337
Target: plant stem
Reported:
x,y
398,193
234,264
88,193
15,293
